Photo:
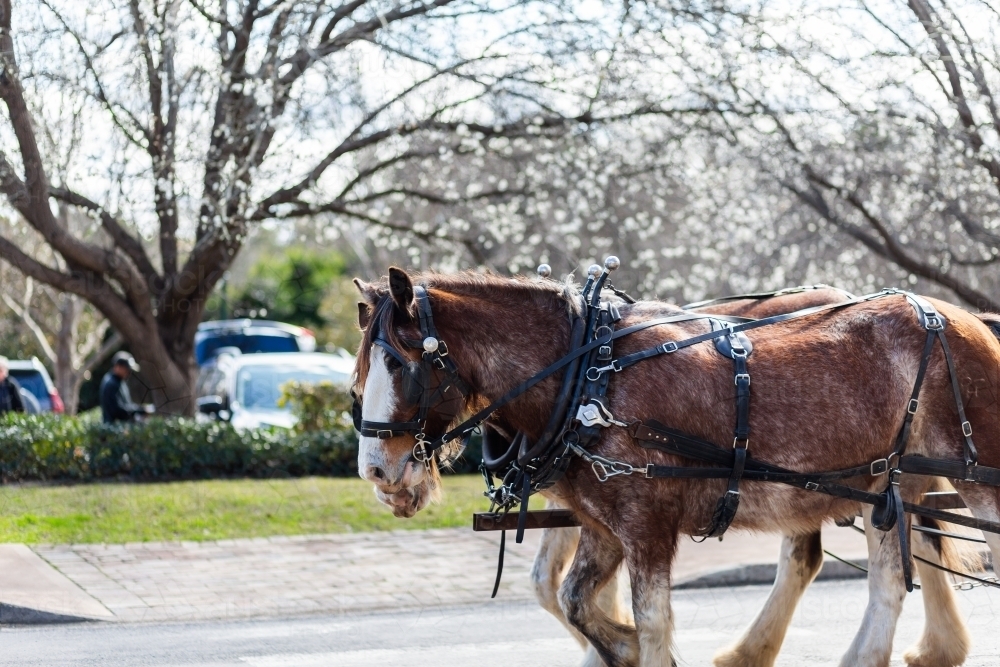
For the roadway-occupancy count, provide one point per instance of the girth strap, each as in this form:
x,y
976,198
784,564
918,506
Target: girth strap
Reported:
x,y
737,347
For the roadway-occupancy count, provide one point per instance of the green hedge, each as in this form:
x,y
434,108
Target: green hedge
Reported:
x,y
49,448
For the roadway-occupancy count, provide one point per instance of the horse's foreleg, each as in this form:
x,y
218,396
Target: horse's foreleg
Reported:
x,y
596,563
872,646
800,561
654,621
555,552
945,640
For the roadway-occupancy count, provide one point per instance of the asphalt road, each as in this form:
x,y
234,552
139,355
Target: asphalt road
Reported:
x,y
471,636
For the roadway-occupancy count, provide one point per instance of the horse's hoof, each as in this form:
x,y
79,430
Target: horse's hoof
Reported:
x,y
592,659
947,655
735,658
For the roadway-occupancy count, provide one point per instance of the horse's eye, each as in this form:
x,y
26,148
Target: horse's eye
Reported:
x,y
392,363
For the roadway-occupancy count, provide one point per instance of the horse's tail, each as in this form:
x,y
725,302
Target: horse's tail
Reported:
x,y
959,555
992,320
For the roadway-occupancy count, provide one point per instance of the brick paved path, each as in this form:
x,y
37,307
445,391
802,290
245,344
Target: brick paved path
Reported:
x,y
156,581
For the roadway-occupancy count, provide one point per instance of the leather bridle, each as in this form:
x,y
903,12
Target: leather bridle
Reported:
x,y
416,383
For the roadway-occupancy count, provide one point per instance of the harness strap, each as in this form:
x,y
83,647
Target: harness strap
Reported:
x,y
522,516
566,396
393,352
675,442
951,517
911,407
763,295
741,379
386,430
971,454
921,465
503,547
732,345
729,503
904,533
424,314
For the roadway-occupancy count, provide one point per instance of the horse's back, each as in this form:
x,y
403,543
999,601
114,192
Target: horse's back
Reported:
x,y
828,390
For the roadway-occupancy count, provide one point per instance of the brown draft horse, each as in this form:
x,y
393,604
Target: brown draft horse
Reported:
x,y
945,639
830,391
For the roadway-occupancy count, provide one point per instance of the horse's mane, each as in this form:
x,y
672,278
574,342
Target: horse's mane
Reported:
x,y
546,294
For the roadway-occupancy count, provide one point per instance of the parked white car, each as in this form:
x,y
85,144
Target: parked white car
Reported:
x,y
244,388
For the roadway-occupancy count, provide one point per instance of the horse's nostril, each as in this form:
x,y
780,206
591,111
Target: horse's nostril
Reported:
x,y
376,472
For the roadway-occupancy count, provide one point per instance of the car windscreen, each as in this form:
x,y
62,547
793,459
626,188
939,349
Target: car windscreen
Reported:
x,y
247,343
259,386
34,382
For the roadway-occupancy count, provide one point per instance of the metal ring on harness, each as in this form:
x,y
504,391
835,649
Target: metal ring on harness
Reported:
x,y
420,451
598,372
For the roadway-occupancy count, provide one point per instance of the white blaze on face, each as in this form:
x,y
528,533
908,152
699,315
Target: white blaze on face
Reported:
x,y
378,404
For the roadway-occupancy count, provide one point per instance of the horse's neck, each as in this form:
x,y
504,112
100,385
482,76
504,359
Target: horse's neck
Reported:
x,y
499,344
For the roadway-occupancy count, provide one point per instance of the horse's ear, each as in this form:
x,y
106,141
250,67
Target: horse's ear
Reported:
x,y
401,289
368,291
364,315
366,307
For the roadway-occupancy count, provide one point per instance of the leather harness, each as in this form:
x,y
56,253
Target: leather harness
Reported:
x,y
580,413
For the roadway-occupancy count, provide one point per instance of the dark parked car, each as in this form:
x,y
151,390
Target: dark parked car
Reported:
x,y
33,377
250,336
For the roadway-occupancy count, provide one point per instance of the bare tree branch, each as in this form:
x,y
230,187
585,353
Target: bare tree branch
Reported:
x,y
24,312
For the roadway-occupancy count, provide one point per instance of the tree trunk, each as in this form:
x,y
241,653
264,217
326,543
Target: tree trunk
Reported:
x,y
168,368
68,378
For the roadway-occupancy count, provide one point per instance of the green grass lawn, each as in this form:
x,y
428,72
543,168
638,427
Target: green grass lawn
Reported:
x,y
218,509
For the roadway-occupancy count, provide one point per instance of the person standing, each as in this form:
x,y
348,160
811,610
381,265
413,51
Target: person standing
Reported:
x,y
10,390
116,400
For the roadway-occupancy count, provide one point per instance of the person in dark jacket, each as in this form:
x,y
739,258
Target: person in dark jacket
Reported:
x,y
116,400
10,390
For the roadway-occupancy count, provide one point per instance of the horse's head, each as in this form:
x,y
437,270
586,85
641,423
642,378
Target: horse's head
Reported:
x,y
404,396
